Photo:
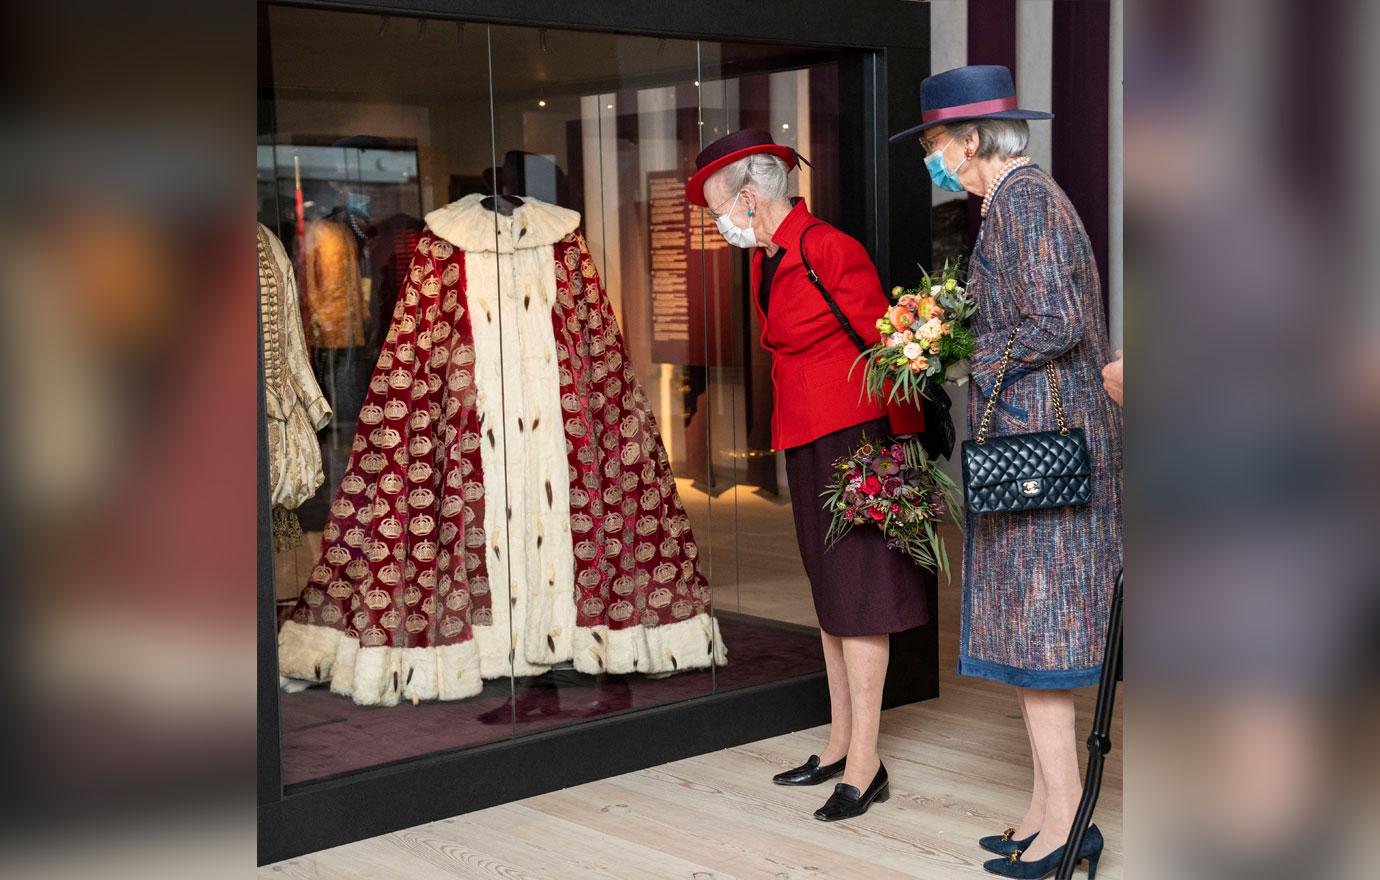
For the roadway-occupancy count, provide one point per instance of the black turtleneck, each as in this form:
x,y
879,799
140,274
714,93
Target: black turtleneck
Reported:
x,y
769,265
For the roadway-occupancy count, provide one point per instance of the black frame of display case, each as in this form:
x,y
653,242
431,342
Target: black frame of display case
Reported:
x,y
879,85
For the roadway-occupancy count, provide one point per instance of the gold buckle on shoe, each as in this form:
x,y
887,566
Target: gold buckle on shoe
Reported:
x,y
1016,856
1006,835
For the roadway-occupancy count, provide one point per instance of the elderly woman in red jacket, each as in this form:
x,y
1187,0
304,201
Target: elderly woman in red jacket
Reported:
x,y
862,590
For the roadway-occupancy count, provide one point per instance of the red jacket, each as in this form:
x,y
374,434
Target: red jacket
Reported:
x,y
811,353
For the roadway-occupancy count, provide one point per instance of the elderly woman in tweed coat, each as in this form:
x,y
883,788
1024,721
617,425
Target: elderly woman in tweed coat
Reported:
x,y
1037,585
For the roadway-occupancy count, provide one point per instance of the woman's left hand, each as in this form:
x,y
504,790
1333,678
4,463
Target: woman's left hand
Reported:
x,y
1111,378
958,373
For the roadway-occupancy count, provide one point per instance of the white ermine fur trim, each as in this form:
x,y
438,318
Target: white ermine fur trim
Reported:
x,y
386,676
481,296
377,676
293,685
543,536
419,674
470,226
346,655
457,671
307,651
448,672
671,647
522,450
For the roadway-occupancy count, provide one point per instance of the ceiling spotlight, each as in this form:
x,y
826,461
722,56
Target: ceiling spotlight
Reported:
x,y
785,126
610,106
697,84
541,103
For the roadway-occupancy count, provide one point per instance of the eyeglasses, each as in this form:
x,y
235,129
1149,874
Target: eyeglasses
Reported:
x,y
715,214
928,145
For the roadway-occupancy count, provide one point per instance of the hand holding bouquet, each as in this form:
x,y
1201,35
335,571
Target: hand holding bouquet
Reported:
x,y
926,336
895,487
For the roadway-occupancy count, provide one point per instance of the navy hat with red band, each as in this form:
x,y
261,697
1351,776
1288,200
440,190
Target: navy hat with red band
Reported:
x,y
729,149
979,91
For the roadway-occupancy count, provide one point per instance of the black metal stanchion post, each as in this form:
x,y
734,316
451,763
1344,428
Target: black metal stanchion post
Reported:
x,y
1100,742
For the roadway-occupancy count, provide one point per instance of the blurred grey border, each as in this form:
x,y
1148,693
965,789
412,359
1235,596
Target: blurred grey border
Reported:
x,y
1251,310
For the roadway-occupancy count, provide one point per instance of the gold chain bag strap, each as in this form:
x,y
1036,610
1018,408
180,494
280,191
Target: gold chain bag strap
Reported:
x,y
1013,472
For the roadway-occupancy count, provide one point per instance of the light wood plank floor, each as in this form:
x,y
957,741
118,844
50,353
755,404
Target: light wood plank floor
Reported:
x,y
959,765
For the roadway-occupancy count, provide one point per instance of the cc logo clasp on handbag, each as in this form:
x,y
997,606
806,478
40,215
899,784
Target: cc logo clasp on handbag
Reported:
x,y
1030,487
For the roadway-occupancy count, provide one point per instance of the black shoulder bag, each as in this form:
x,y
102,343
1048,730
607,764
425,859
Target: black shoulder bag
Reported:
x,y
938,438
1015,472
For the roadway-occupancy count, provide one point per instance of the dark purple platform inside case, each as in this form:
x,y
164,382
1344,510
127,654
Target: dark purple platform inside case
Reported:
x,y
326,735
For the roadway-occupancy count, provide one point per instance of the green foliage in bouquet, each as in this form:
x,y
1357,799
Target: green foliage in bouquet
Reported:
x,y
896,487
926,330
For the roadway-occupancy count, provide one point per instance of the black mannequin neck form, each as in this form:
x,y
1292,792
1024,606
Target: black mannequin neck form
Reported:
x,y
504,205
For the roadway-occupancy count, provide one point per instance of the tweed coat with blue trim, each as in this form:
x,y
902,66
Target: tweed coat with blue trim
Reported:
x,y
1037,585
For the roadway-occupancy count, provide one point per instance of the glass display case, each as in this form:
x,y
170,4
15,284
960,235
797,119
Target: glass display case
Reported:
x,y
521,482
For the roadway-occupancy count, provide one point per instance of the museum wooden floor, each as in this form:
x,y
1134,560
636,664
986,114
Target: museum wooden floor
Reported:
x,y
959,767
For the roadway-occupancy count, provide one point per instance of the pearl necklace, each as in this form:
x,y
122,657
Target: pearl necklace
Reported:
x,y
1011,165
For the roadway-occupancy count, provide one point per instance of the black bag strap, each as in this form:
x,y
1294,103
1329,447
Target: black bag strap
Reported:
x,y
939,435
828,298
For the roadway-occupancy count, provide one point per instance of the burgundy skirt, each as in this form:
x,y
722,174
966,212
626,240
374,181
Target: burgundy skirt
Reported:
x,y
860,587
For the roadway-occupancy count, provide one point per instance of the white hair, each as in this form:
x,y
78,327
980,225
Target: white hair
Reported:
x,y
766,173
999,138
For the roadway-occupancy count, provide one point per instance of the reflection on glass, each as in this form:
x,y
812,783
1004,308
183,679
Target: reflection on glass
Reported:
x,y
585,151
528,373
761,591
390,644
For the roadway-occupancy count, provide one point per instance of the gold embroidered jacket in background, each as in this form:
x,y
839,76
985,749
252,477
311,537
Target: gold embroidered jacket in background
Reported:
x,y
294,404
337,306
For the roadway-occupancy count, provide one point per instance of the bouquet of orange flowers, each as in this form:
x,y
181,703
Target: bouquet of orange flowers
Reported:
x,y
897,488
926,336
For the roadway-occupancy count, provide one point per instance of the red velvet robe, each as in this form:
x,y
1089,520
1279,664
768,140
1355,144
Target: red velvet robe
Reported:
x,y
508,502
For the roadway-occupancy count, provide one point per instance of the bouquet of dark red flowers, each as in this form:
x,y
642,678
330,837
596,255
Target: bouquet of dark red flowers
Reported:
x,y
897,488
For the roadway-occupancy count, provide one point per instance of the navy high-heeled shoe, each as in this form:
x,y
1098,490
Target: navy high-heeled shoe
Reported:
x,y
1003,845
1012,866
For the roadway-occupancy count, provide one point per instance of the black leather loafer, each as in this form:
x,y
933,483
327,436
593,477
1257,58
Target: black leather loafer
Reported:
x,y
847,803
811,772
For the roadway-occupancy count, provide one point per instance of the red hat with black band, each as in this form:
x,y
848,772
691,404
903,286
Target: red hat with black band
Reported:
x,y
729,149
978,91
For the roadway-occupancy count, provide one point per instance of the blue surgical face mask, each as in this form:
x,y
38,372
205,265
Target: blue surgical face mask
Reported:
x,y
939,172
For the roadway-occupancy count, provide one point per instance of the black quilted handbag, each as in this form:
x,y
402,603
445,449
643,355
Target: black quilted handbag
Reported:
x,y
1014,472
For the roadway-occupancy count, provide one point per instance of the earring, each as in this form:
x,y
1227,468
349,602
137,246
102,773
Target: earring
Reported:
x,y
968,153
749,212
